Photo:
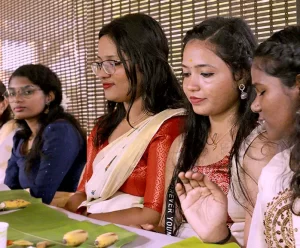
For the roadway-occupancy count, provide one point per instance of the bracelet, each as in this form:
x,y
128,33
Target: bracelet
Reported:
x,y
224,241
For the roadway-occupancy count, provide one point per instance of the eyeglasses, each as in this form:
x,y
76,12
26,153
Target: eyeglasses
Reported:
x,y
109,66
25,92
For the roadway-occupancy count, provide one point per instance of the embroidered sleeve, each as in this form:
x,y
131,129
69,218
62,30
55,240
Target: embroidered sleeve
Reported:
x,y
157,156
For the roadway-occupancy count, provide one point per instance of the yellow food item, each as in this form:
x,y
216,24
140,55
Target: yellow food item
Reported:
x,y
22,242
13,204
43,244
75,238
106,239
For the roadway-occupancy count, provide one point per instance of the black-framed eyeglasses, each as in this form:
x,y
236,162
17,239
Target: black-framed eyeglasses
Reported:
x,y
109,66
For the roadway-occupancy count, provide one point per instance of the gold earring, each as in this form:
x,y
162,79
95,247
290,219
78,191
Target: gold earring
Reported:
x,y
46,111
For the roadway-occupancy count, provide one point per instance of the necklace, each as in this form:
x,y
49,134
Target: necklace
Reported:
x,y
139,119
215,141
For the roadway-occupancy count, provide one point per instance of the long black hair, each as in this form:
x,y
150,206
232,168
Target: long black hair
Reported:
x,y
145,45
6,115
47,81
235,44
279,56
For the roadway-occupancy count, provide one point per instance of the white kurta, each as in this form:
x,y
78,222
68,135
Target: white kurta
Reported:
x,y
273,223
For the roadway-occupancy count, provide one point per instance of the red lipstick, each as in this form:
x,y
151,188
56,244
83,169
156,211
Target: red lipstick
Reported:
x,y
107,85
196,100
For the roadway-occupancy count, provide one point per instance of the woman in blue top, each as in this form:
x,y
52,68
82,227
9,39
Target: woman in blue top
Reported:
x,y
49,150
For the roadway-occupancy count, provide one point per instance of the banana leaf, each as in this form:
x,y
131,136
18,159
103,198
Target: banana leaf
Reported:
x,y
18,194
197,243
37,222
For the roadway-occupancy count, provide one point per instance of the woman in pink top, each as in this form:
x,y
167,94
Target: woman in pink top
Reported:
x,y
217,57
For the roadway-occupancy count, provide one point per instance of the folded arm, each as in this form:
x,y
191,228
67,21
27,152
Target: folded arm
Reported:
x,y
158,151
12,171
60,149
131,216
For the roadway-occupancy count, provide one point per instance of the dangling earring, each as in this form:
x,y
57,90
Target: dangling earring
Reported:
x,y
298,112
244,95
46,111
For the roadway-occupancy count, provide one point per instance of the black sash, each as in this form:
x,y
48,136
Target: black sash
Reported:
x,y
170,210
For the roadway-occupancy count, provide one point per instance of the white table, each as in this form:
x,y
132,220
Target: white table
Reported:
x,y
145,239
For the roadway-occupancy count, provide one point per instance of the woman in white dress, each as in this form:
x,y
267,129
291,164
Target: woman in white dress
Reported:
x,y
276,79
5,113
7,131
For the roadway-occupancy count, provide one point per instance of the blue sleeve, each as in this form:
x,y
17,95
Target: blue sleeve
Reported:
x,y
12,170
61,145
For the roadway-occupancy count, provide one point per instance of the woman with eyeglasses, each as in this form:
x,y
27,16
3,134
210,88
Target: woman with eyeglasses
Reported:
x,y
49,150
127,150
7,131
